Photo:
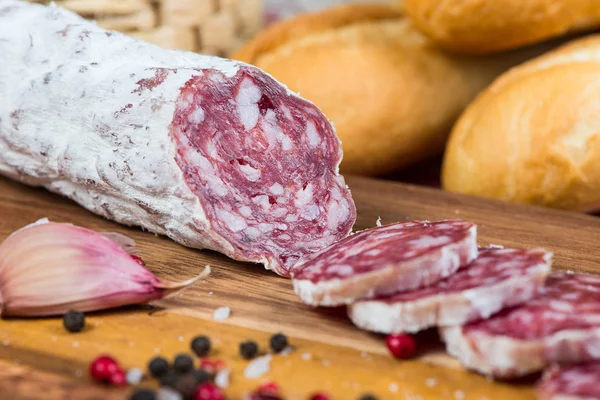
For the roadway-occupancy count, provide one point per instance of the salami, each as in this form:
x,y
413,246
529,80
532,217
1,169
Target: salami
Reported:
x,y
213,153
561,324
385,260
574,382
496,279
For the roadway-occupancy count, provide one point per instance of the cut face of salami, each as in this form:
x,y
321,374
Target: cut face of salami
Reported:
x,y
271,190
561,324
496,279
385,260
574,382
212,153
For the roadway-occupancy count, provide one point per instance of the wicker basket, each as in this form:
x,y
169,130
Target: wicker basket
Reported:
x,y
207,26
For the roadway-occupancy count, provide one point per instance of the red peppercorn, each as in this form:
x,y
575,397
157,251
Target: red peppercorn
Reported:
x,y
401,346
319,396
138,259
264,396
268,387
117,378
208,391
102,368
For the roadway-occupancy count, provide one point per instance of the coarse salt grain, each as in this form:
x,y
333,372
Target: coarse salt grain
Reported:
x,y
165,393
221,313
431,382
210,293
258,367
286,351
134,376
222,378
459,395
306,356
393,387
326,363
180,338
378,222
156,350
75,344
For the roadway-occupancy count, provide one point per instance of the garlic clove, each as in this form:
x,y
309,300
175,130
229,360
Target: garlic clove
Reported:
x,y
49,268
126,243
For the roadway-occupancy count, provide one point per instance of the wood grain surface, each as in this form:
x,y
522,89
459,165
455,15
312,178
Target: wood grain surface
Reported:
x,y
38,356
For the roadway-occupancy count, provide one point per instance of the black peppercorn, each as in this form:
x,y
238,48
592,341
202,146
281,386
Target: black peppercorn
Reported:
x,y
278,342
186,386
169,379
158,367
248,349
143,394
367,397
183,363
74,321
202,376
201,345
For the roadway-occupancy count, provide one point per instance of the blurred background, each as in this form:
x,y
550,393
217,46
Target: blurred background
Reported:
x,y
451,94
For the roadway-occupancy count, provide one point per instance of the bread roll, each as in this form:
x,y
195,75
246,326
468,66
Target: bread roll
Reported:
x,y
486,26
534,135
391,93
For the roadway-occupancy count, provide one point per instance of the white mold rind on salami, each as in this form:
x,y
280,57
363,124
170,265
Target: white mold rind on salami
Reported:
x,y
496,279
178,143
561,325
385,260
570,382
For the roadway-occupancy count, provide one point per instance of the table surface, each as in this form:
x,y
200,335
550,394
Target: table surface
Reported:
x,y
39,358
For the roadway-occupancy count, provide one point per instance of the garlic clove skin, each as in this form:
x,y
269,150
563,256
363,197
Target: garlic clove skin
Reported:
x,y
49,268
126,243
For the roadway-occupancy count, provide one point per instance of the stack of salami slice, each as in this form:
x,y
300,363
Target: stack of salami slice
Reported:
x,y
499,310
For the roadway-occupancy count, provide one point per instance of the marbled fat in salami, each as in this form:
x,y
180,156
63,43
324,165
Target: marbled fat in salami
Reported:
x,y
571,382
561,324
496,279
385,260
212,153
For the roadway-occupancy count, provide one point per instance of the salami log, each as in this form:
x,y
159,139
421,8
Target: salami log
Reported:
x,y
213,153
561,324
496,279
574,382
385,260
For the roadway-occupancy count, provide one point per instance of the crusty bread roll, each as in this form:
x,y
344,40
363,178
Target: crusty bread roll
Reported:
x,y
392,95
534,135
486,26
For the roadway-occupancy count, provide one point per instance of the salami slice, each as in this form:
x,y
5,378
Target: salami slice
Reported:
x,y
385,260
574,382
562,325
212,153
496,279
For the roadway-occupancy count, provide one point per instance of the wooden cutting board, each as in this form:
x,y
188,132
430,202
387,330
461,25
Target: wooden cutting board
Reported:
x,y
39,358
